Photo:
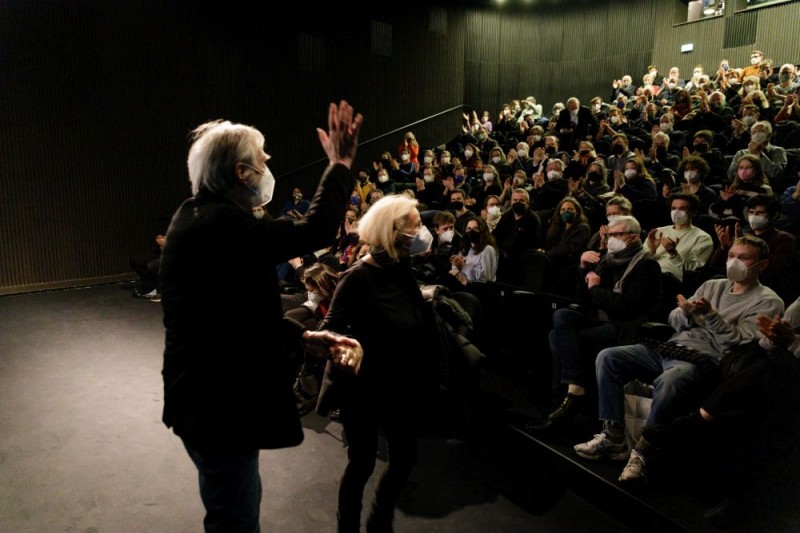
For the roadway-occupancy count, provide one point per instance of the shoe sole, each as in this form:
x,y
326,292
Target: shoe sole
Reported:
x,y
623,456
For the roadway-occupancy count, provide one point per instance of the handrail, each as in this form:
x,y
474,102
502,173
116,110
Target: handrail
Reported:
x,y
377,137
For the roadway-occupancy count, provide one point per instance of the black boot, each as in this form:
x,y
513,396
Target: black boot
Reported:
x,y
380,520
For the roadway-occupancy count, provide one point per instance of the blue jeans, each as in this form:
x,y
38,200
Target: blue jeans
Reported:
x,y
573,334
674,382
230,487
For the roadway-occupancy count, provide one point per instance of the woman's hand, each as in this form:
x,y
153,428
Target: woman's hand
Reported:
x,y
341,139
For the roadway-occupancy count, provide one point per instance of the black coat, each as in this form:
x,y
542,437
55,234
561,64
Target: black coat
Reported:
x,y
226,376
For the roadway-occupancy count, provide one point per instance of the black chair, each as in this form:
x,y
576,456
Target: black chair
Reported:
x,y
531,270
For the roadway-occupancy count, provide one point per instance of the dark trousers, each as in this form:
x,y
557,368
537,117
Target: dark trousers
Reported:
x,y
362,432
230,487
574,342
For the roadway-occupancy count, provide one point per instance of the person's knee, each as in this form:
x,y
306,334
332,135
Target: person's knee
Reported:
x,y
604,359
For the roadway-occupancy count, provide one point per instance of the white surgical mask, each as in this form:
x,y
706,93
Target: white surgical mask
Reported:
x,y
553,175
748,88
666,127
679,217
404,157
749,120
467,153
446,236
615,245
428,178
614,119
496,160
758,222
421,242
754,61
263,195
445,160
631,173
736,270
488,177
537,138
258,213
383,178
427,159
522,153
672,85
493,211
759,137
692,176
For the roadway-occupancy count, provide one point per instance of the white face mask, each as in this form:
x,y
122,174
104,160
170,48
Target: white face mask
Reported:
x,y
759,137
383,178
428,178
493,211
749,120
488,177
258,213
691,176
596,107
315,298
749,88
428,159
537,138
631,173
522,153
615,245
446,236
421,242
614,119
679,217
553,175
404,157
467,153
672,85
263,195
755,61
445,160
665,127
758,222
736,270
496,160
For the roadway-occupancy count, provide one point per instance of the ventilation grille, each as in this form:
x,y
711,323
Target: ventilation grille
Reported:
x,y
740,29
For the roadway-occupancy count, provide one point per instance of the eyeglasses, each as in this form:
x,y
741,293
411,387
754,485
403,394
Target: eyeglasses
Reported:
x,y
619,234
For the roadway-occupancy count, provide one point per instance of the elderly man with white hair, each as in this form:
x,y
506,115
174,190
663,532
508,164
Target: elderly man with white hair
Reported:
x,y
575,123
773,158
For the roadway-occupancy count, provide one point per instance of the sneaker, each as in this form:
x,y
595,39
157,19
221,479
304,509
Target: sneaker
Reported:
x,y
601,447
153,296
635,471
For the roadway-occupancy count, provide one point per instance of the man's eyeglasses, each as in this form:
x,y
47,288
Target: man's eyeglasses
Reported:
x,y
619,234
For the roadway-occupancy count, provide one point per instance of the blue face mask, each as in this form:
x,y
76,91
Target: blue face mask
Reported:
x,y
355,199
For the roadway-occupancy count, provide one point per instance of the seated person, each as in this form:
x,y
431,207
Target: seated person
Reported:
x,y
489,185
477,259
681,246
622,288
518,231
773,158
620,154
430,190
762,213
720,316
740,129
433,268
492,211
146,267
692,173
297,206
457,204
567,235
749,181
659,158
590,190
635,183
703,146
581,159
616,206
548,189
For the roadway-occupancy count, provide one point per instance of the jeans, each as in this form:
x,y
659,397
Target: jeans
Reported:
x,y
673,380
230,487
574,333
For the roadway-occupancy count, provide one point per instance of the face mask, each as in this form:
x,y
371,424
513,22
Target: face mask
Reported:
x,y
518,208
692,176
697,73
679,217
615,245
672,85
421,242
749,88
458,178
595,177
297,197
759,137
315,298
736,270
488,177
665,127
481,137
537,138
749,120
614,119
755,60
355,199
428,178
496,160
550,150
701,148
404,157
467,153
383,178
758,222
262,195
621,104
493,211
567,217
553,175
783,77
473,236
584,153
618,149
631,173
258,213
522,153
596,108
447,236
457,206
445,160
428,160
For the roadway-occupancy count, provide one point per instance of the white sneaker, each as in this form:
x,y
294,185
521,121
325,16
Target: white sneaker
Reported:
x,y
635,470
601,447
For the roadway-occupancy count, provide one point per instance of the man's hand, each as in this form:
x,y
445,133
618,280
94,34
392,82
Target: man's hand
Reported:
x,y
778,331
694,307
653,239
341,140
589,257
670,245
592,279
341,350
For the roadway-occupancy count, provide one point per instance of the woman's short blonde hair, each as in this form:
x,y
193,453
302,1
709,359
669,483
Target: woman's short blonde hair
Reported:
x,y
378,227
